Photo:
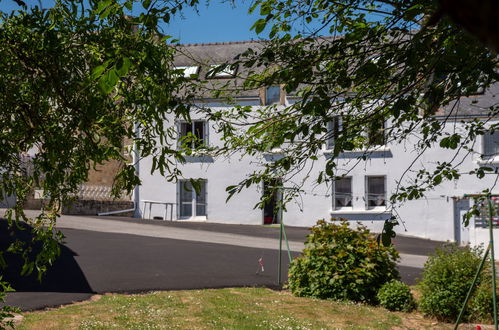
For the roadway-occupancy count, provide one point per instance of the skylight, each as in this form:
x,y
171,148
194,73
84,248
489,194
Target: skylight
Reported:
x,y
221,71
189,71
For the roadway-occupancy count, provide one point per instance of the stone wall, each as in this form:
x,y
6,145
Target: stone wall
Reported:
x,y
93,207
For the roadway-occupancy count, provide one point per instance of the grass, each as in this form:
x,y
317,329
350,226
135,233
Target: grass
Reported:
x,y
236,308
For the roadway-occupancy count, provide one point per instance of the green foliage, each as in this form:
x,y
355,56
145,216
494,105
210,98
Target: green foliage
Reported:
x,y
80,80
396,296
447,276
365,62
342,263
6,312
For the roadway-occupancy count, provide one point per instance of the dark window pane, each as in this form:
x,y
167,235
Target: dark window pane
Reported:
x,y
343,192
273,95
199,134
376,133
200,210
185,193
491,143
186,210
376,191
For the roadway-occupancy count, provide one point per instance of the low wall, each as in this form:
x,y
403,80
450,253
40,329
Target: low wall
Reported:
x,y
92,207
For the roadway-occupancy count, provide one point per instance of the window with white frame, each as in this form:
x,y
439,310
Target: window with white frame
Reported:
x,y
192,203
221,71
342,193
189,72
375,191
193,134
491,143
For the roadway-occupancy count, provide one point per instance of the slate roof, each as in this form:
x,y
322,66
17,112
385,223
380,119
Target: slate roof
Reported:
x,y
473,106
207,54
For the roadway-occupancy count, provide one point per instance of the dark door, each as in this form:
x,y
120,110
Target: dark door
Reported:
x,y
271,207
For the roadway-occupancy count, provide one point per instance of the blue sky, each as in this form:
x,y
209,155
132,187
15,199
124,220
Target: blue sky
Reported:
x,y
217,22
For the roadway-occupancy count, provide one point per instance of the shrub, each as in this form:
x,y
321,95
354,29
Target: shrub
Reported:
x,y
447,276
342,263
396,296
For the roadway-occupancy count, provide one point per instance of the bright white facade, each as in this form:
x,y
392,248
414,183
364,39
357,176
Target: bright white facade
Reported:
x,y
363,197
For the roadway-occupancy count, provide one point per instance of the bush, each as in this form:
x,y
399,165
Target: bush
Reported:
x,y
342,263
447,276
396,296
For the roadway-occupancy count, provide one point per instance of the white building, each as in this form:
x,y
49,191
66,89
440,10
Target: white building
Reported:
x,y
361,196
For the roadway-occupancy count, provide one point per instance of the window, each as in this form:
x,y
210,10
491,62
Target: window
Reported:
x,y
273,95
189,71
221,71
376,133
334,128
191,203
491,143
342,193
193,134
375,191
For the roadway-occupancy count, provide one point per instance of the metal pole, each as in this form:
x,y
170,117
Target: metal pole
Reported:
x,y
280,254
480,267
492,261
287,243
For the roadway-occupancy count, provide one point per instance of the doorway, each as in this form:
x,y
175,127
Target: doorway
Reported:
x,y
271,205
461,233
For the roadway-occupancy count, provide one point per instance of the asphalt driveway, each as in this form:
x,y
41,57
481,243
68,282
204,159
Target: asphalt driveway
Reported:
x,y
94,261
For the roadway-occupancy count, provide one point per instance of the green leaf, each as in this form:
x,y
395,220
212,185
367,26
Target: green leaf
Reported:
x,y
259,25
123,66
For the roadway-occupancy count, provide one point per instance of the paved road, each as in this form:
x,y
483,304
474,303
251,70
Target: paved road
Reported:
x,y
102,255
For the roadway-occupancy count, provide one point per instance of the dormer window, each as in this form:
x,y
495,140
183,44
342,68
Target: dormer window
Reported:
x,y
190,72
221,71
272,95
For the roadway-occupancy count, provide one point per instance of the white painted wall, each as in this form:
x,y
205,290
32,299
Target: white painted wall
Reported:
x,y
431,217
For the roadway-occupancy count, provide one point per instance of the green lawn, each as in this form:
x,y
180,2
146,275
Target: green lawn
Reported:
x,y
236,308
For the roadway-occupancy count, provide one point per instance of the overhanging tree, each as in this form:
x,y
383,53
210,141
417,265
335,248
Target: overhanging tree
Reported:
x,y
76,77
361,62
78,81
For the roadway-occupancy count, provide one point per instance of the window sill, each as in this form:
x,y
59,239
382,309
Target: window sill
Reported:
x,y
380,210
383,148
193,219
374,152
489,160
199,158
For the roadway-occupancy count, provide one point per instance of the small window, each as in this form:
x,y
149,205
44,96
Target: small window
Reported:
x,y
192,203
194,134
334,128
273,95
376,133
189,71
342,193
221,71
491,144
375,191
